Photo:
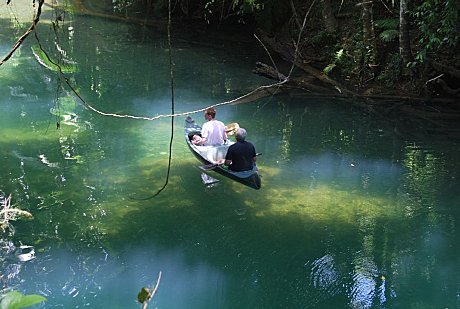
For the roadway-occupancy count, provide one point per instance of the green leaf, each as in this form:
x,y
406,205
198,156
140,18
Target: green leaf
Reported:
x,y
388,23
30,300
329,68
339,54
15,300
388,35
11,300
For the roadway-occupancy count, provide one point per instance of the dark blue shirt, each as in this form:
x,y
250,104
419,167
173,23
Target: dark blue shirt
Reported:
x,y
242,156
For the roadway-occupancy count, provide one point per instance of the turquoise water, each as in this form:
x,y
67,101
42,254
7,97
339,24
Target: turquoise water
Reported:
x,y
351,214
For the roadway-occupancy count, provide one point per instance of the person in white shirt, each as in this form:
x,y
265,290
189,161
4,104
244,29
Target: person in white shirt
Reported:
x,y
213,131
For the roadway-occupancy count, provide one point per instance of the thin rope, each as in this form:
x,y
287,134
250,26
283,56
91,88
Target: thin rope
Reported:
x,y
171,71
172,115
171,76
168,115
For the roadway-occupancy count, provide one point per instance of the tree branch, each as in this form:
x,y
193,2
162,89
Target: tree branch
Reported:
x,y
26,34
151,293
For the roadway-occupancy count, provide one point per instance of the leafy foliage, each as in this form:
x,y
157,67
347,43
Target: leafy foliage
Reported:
x,y
214,8
387,23
338,57
392,71
389,27
15,300
438,22
388,36
246,6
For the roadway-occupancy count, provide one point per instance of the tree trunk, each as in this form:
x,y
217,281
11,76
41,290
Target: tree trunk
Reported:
x,y
286,53
404,39
329,19
370,58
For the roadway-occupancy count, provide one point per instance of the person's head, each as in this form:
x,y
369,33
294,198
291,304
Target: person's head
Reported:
x,y
241,134
210,113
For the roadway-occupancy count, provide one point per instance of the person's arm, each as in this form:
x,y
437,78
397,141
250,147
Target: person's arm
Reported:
x,y
204,134
198,140
228,156
222,130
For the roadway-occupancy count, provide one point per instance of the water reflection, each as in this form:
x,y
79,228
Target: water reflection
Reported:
x,y
90,279
372,212
325,276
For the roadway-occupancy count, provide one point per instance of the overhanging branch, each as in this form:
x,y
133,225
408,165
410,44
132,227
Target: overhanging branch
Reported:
x,y
26,34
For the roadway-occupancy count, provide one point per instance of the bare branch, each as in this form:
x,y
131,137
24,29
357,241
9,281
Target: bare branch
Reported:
x,y
26,34
152,292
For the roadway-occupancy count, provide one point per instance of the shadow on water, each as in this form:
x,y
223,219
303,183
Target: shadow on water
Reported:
x,y
334,223
350,214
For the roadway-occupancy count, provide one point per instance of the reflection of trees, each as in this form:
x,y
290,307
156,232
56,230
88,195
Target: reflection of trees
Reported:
x,y
425,176
363,248
286,136
396,239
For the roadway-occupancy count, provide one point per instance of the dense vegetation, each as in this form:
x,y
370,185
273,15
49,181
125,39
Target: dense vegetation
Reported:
x,y
372,47
396,59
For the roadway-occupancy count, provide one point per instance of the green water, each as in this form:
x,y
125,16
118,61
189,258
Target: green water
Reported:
x,y
351,214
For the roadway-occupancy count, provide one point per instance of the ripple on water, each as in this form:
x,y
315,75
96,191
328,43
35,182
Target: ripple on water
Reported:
x,y
324,276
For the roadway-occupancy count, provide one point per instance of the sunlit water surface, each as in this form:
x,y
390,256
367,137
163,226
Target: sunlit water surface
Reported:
x,y
351,214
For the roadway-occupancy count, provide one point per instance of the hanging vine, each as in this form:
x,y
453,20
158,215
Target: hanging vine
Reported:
x,y
62,69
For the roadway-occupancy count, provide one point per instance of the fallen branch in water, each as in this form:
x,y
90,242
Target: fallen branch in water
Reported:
x,y
7,213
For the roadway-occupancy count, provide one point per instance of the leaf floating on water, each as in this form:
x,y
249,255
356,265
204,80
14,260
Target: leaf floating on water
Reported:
x,y
143,295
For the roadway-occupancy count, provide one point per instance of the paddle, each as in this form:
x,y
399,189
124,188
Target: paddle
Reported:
x,y
211,166
208,167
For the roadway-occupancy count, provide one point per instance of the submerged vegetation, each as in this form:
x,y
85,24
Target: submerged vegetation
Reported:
x,y
10,299
9,213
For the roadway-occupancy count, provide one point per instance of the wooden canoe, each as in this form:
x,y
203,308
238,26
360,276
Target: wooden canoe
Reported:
x,y
208,155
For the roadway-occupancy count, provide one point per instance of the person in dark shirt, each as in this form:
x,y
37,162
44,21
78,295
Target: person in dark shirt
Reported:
x,y
241,156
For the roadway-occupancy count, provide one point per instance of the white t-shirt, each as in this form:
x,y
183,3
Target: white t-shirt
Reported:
x,y
213,131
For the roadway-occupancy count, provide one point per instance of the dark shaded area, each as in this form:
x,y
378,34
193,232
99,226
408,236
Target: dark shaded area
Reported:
x,y
426,97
